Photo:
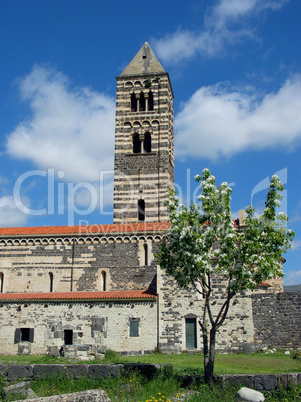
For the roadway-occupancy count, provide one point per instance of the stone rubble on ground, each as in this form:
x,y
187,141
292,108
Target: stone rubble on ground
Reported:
x,y
248,394
31,394
20,388
93,395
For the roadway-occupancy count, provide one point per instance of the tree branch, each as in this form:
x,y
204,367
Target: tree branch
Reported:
x,y
198,290
224,309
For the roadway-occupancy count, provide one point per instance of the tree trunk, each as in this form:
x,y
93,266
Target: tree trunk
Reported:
x,y
209,356
205,349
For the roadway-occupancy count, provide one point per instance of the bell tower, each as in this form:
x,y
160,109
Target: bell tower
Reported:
x,y
144,140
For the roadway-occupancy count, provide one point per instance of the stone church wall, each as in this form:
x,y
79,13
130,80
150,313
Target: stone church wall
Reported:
x,y
95,325
26,268
176,305
277,320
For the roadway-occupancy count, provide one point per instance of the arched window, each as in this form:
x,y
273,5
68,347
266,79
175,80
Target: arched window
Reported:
x,y
136,144
142,102
147,143
1,282
133,103
141,210
150,101
145,246
50,282
103,281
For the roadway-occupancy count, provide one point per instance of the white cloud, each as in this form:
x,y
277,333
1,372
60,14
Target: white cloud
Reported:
x,y
219,121
225,23
296,244
292,278
10,215
70,129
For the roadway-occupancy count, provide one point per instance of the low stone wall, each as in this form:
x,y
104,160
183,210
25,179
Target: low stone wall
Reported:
x,y
259,382
27,372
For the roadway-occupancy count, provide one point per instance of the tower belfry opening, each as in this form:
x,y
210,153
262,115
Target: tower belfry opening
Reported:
x,y
144,140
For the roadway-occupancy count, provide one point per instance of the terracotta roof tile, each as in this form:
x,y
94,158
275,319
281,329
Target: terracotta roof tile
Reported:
x,y
84,230
265,284
114,295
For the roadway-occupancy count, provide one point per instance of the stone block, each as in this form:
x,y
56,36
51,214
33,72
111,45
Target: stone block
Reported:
x,y
47,370
238,380
265,382
76,370
147,370
247,394
99,350
100,370
116,370
83,348
94,395
19,388
53,351
3,370
17,371
97,324
285,380
31,394
24,348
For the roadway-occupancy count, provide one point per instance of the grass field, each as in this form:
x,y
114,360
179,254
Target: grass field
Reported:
x,y
257,363
165,386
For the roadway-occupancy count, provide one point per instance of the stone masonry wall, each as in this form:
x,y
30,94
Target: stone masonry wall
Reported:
x,y
277,320
77,264
99,324
175,305
143,175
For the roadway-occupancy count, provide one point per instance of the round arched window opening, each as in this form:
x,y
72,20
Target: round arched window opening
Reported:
x,y
133,103
50,282
136,144
147,143
103,281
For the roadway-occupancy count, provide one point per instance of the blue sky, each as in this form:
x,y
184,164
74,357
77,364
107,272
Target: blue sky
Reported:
x,y
235,71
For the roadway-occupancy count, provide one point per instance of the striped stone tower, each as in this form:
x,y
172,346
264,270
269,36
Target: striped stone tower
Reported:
x,y
144,140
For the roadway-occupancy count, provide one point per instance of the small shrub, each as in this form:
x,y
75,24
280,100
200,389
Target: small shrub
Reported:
x,y
296,355
291,394
112,356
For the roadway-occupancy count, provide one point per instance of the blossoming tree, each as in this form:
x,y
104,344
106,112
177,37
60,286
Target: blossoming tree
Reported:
x,y
203,244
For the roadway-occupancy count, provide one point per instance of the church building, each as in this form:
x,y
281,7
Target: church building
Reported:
x,y
80,290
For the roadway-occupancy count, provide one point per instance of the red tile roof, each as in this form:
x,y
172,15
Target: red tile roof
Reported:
x,y
265,284
114,295
120,228
84,230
